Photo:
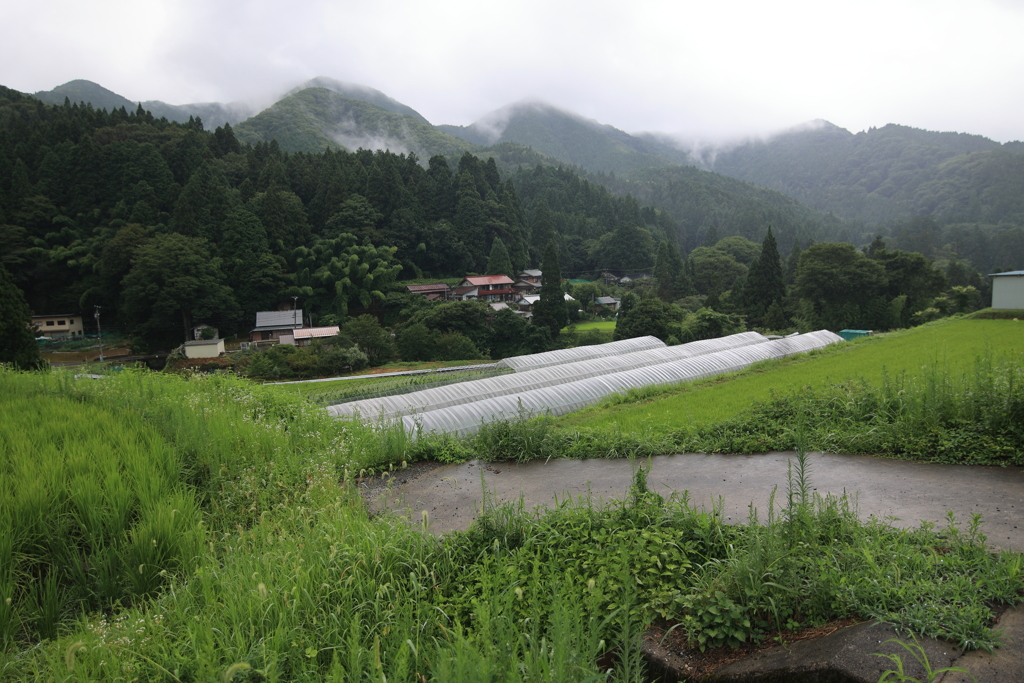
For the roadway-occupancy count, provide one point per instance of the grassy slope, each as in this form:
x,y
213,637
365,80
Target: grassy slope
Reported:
x,y
955,343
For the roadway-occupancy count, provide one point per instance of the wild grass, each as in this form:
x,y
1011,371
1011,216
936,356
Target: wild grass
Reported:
x,y
293,580
952,345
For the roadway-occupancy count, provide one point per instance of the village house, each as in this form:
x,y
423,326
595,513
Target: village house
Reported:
x,y
59,325
527,302
306,335
609,302
432,292
270,325
489,288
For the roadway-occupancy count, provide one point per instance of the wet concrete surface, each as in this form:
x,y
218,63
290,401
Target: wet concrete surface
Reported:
x,y
904,491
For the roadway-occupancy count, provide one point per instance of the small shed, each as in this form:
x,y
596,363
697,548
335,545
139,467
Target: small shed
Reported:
x,y
204,348
306,335
850,335
1008,290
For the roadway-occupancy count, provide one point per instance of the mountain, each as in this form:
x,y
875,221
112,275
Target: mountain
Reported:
x,y
213,114
884,174
570,138
362,93
315,119
79,90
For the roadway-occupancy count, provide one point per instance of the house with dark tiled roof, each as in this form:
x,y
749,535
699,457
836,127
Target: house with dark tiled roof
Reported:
x,y
432,292
270,325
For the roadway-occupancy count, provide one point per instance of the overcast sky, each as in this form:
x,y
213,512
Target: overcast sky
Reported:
x,y
711,69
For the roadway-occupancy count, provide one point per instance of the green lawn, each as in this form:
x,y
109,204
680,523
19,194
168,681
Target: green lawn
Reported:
x,y
952,343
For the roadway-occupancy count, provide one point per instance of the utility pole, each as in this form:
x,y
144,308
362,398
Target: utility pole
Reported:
x,y
99,330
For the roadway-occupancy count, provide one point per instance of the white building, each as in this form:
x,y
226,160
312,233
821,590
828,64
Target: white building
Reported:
x,y
1008,290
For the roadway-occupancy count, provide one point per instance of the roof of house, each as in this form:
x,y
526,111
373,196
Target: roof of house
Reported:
x,y
426,289
204,342
75,315
1017,273
499,306
606,300
534,298
278,319
531,272
459,291
311,332
489,280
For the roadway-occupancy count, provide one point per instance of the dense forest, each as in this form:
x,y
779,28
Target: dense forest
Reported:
x,y
142,216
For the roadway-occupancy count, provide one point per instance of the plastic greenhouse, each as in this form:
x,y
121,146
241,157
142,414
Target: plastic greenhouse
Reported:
x,y
534,361
477,390
567,397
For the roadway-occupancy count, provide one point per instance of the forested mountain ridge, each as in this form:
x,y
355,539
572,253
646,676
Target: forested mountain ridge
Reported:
x,y
885,174
877,177
354,91
315,119
570,138
212,113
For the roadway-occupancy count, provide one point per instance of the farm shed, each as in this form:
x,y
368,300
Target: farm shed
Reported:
x,y
438,398
1008,290
566,398
204,348
542,360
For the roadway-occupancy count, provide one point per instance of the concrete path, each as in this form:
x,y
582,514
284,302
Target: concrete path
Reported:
x,y
908,491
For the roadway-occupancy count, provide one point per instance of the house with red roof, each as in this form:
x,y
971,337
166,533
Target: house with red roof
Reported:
x,y
490,288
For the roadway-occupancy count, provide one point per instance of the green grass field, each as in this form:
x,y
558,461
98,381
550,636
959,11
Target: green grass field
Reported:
x,y
604,325
954,344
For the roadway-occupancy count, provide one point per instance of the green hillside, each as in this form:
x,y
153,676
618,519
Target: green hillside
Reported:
x,y
886,174
362,93
315,119
570,138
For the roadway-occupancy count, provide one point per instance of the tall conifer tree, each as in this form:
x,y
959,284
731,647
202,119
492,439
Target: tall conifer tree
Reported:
x,y
499,262
550,310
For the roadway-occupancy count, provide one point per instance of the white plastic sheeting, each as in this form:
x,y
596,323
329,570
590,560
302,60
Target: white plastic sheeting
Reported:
x,y
568,397
534,361
437,398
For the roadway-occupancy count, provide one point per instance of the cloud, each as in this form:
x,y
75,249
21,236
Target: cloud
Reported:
x,y
712,70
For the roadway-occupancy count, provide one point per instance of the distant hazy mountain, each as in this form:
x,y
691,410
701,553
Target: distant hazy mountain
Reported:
x,y
317,118
362,93
884,174
570,138
213,114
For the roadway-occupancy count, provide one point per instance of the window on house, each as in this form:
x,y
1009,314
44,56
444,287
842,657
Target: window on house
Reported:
x,y
49,323
61,322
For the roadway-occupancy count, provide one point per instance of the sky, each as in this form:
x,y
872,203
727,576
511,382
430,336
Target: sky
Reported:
x,y
712,70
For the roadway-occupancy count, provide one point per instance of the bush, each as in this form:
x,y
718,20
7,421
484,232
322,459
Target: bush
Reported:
x,y
372,339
